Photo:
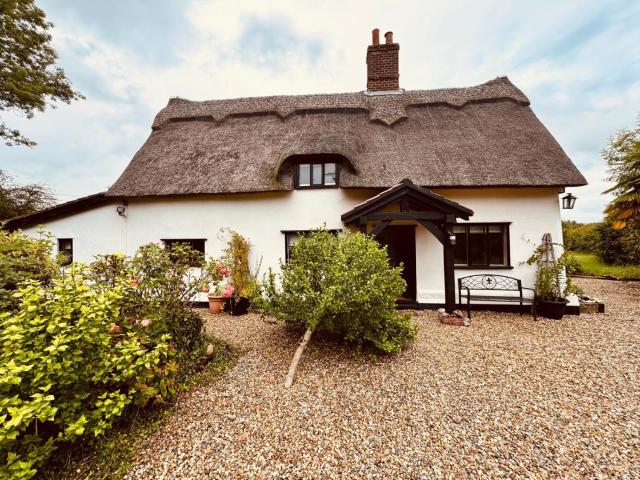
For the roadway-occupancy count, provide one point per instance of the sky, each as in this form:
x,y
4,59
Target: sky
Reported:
x,y
577,61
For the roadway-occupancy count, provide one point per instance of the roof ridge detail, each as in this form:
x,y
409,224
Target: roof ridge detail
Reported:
x,y
385,108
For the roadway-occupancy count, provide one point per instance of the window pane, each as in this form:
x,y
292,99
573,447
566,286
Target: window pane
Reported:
x,y
497,245
477,245
304,174
65,248
291,239
317,174
460,248
329,173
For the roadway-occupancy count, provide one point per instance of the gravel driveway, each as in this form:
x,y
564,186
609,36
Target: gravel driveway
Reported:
x,y
506,397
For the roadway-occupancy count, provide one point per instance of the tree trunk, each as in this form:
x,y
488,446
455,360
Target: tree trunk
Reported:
x,y
296,358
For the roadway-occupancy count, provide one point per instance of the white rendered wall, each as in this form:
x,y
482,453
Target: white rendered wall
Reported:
x,y
96,231
531,211
261,217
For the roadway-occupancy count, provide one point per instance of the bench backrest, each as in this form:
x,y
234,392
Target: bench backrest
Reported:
x,y
489,282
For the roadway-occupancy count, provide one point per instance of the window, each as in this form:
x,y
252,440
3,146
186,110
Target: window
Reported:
x,y
292,236
65,249
196,244
317,175
481,245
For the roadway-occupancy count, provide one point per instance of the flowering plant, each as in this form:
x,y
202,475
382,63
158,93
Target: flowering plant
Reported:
x,y
220,286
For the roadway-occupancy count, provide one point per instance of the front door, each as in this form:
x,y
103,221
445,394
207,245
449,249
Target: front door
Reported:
x,y
401,248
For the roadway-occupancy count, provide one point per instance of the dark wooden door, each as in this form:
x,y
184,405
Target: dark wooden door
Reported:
x,y
401,248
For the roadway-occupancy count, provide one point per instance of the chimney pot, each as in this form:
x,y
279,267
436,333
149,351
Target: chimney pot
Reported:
x,y
388,37
375,36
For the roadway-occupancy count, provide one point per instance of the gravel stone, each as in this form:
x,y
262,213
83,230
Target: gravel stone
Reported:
x,y
506,397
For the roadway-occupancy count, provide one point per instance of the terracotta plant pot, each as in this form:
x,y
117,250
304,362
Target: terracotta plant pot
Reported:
x,y
216,303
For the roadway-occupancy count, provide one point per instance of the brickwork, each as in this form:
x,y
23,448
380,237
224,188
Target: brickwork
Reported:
x,y
382,67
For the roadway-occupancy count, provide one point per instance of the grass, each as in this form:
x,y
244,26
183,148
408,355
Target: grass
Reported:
x,y
109,457
591,265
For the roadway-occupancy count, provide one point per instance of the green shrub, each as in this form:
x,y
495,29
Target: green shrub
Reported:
x,y
342,285
70,365
23,258
580,237
619,246
159,286
236,259
573,265
552,280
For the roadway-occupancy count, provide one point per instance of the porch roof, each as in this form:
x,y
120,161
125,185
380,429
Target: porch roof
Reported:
x,y
407,189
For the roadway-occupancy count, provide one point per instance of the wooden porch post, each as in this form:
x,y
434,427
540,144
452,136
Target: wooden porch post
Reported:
x,y
449,277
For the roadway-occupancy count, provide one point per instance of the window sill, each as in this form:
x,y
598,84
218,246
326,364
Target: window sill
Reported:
x,y
483,267
315,187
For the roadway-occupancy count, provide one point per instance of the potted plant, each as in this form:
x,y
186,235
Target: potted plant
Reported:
x,y
552,285
241,279
218,296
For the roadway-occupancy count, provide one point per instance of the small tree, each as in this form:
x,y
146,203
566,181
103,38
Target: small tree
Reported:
x,y
16,199
342,285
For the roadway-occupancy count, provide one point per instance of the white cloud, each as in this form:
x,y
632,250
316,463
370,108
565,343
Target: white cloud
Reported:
x,y
578,63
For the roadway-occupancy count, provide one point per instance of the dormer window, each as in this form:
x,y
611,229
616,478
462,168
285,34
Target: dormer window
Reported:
x,y
317,175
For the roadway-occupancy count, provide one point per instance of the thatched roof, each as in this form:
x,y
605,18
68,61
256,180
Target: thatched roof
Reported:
x,y
479,136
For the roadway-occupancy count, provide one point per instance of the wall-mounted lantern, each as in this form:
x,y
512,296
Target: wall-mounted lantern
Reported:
x,y
121,210
452,238
568,201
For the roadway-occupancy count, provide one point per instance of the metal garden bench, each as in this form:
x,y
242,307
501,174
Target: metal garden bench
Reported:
x,y
472,287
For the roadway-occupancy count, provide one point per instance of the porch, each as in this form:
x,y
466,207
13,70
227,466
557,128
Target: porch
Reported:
x,y
392,217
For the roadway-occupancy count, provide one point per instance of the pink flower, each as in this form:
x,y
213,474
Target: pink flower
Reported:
x,y
146,322
223,271
205,289
227,292
115,329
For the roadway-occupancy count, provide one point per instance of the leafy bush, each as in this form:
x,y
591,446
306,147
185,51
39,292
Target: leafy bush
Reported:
x,y
580,237
342,285
236,258
160,285
70,365
573,265
23,258
552,280
619,246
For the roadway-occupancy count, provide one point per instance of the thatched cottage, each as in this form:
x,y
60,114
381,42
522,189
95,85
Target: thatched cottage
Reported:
x,y
455,181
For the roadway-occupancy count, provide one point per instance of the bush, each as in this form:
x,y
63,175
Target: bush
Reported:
x,y
618,247
23,258
573,265
580,237
70,365
159,287
342,285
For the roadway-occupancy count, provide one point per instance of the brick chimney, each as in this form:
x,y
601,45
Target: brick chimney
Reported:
x,y
382,64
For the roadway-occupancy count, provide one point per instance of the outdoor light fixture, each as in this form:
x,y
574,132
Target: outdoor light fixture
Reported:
x,y
568,201
121,210
452,239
